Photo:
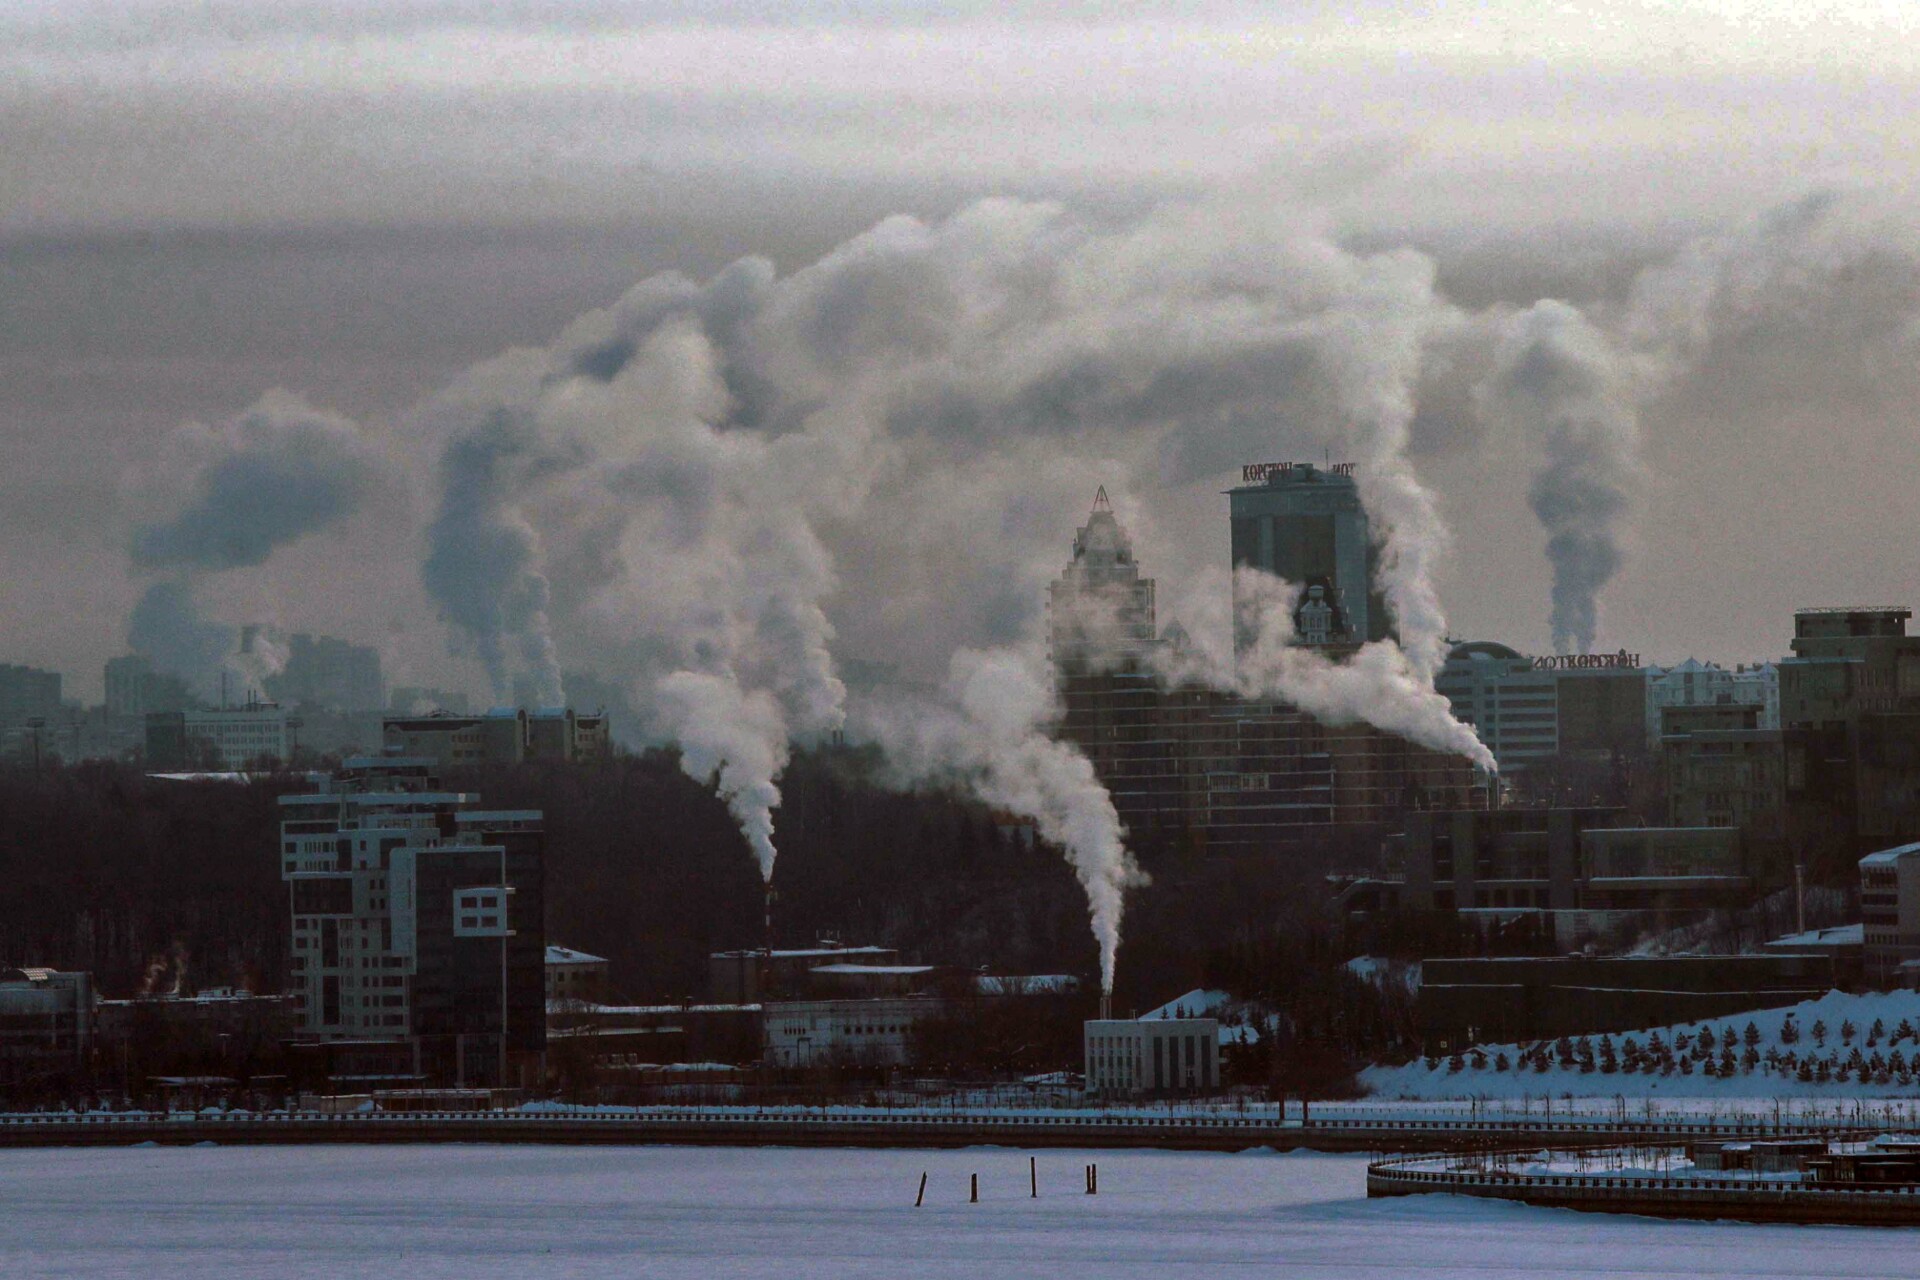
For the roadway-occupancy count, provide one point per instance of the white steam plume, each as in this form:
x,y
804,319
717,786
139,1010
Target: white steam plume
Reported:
x,y
1556,378
1379,684
736,739
991,732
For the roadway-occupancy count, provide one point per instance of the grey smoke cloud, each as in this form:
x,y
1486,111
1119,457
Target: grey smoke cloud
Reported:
x,y
483,556
267,477
279,472
1559,381
169,626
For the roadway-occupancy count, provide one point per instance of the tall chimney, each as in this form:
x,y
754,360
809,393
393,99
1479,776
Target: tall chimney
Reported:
x,y
1106,1006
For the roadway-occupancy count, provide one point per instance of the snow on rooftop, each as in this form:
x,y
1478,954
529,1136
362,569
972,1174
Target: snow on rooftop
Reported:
x,y
1887,857
567,955
907,969
1840,935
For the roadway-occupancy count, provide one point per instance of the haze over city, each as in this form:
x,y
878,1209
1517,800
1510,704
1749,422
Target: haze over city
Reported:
x,y
355,204
858,603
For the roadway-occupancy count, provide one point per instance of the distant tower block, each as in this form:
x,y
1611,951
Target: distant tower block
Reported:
x,y
1305,524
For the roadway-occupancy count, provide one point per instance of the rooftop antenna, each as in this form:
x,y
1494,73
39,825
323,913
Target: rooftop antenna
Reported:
x,y
1100,502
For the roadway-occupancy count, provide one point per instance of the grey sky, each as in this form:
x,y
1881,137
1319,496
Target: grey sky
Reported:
x,y
355,202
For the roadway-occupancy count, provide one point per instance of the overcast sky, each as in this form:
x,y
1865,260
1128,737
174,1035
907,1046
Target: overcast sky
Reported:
x,y
356,202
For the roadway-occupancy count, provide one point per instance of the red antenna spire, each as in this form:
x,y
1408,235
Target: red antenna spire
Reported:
x,y
1100,502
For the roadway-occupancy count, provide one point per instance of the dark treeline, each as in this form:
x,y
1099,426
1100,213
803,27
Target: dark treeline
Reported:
x,y
141,880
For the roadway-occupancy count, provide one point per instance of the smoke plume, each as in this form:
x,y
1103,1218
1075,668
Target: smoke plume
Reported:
x,y
736,739
990,731
170,628
482,563
1557,379
264,478
1380,684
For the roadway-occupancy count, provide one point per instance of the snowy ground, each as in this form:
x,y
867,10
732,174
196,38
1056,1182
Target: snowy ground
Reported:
x,y
1785,1042
430,1212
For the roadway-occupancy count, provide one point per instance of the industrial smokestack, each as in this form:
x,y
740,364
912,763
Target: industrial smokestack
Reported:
x,y
1106,1005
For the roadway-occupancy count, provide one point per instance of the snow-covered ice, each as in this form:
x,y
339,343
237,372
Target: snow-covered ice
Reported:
x,y
428,1212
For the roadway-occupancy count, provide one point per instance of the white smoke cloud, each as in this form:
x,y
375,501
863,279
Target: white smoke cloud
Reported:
x,y
238,492
990,731
1380,684
735,739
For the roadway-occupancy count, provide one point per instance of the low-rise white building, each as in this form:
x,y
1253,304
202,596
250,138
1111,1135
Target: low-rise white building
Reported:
x,y
1129,1057
575,975
862,1033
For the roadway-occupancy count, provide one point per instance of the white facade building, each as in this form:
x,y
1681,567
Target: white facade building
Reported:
x,y
1705,684
575,975
1129,1057
865,1033
1512,705
415,916
240,735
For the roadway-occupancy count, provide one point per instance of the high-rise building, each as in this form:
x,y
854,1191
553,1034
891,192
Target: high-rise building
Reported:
x,y
418,918
1529,710
135,689
1850,705
1306,524
1100,610
27,693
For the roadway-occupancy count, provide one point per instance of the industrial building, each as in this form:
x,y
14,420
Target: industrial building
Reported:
x,y
46,1022
746,976
1151,1057
418,921
846,1033
575,976
505,735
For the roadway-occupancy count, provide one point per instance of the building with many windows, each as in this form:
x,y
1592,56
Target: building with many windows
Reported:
x,y
1890,915
1150,1057
217,737
1580,870
1208,769
417,918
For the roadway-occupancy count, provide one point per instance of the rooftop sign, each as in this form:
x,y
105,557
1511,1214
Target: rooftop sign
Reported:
x,y
1586,661
1263,472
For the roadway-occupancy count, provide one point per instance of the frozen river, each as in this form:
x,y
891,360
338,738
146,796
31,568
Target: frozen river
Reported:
x,y
421,1212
